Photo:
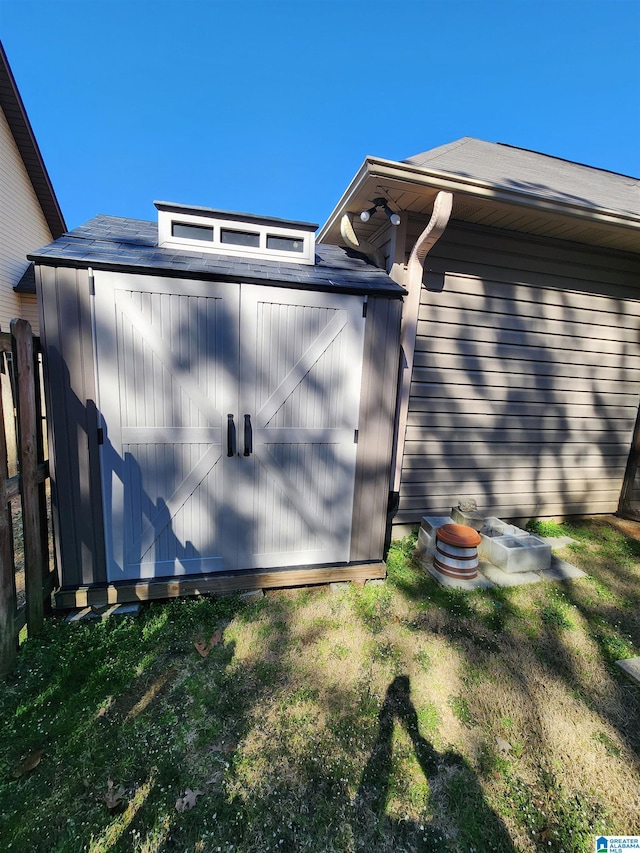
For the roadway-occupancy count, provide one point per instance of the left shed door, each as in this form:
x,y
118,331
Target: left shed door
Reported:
x,y
167,377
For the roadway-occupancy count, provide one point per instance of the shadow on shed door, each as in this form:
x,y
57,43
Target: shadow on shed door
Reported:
x,y
175,360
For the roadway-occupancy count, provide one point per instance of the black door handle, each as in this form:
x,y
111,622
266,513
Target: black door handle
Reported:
x,y
231,436
248,436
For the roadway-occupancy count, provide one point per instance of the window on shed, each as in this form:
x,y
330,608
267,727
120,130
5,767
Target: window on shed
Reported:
x,y
192,232
284,244
239,238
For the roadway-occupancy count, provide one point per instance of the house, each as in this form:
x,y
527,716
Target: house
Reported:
x,y
30,215
521,328
221,401
237,404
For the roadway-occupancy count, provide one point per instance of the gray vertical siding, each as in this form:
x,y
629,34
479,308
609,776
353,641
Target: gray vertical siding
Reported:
x,y
65,324
377,412
526,377
65,315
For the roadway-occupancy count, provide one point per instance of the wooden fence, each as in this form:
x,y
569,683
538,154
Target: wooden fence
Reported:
x,y
27,486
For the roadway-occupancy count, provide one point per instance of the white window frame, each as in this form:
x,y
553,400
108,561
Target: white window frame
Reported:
x,y
167,218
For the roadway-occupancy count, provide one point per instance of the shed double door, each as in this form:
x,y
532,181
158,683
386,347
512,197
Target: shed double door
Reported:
x,y
229,415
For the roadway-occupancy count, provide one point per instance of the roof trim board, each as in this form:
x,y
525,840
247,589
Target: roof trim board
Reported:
x,y
22,132
378,174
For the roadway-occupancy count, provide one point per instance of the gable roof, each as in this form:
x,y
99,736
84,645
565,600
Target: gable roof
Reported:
x,y
131,245
498,186
528,171
25,140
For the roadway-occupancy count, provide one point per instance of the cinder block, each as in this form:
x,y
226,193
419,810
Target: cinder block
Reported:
x,y
520,553
496,527
251,595
430,523
469,518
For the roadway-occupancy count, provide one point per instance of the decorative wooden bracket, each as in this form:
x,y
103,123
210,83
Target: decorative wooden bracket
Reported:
x,y
349,236
440,216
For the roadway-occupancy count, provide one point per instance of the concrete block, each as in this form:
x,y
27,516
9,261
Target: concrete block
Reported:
x,y
131,608
520,553
469,518
251,595
498,577
375,582
426,543
430,523
104,612
631,667
560,570
84,613
558,541
496,527
492,529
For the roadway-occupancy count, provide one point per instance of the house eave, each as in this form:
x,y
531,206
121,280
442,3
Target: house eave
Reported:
x,y
22,132
377,175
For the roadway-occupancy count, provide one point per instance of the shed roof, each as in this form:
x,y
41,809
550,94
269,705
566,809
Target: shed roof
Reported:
x,y
131,245
532,172
25,140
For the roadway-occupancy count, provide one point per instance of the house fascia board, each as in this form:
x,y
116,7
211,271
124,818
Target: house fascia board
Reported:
x,y
390,170
22,132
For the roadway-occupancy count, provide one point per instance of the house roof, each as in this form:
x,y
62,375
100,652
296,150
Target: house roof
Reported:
x,y
131,245
25,140
500,186
531,172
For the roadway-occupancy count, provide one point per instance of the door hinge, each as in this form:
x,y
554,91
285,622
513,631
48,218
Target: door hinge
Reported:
x,y
355,436
364,306
100,435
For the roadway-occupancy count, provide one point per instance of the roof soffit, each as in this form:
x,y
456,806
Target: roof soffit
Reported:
x,y
413,189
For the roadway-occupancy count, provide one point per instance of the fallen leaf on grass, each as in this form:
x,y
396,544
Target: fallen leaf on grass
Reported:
x,y
30,763
112,798
188,801
503,745
203,648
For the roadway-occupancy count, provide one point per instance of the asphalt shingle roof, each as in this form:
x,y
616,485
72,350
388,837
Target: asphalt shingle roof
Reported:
x,y
531,172
110,242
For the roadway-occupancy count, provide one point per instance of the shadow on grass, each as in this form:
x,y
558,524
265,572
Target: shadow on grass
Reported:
x,y
474,823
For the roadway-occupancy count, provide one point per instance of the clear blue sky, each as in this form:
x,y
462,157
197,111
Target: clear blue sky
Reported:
x,y
270,107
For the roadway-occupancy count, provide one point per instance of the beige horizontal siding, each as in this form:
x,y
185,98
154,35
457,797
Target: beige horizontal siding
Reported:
x,y
23,227
29,311
526,379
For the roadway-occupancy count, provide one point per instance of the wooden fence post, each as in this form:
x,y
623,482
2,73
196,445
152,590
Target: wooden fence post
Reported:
x,y
34,569
8,638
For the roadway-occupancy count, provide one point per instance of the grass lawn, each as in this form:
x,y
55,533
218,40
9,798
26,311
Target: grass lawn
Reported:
x,y
395,717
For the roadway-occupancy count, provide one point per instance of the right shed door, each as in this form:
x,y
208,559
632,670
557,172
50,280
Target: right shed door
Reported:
x,y
300,373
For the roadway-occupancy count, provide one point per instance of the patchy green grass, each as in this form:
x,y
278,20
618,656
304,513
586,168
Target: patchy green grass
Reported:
x,y
397,717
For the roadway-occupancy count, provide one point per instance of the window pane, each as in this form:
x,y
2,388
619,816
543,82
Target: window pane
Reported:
x,y
239,238
284,244
192,232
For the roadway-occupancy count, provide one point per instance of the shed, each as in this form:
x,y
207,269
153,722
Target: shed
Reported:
x,y
221,403
521,328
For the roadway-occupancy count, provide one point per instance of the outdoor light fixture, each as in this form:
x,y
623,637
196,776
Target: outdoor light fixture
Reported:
x,y
366,215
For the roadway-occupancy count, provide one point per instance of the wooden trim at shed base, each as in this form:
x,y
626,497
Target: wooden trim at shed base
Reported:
x,y
99,596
